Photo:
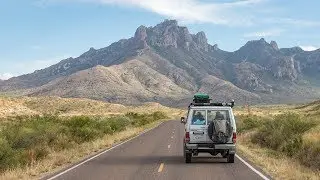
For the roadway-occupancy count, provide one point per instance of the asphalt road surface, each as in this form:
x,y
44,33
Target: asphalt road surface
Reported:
x,y
157,154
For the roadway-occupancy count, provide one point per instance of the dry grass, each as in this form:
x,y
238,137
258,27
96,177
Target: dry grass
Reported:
x,y
277,166
13,106
313,135
59,160
265,110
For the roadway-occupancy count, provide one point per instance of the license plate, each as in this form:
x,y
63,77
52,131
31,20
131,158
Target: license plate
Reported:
x,y
199,136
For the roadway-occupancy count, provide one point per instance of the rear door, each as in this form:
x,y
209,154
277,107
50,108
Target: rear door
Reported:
x,y
221,116
198,127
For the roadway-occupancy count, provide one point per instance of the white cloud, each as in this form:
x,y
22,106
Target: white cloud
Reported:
x,y
236,13
266,33
6,76
309,48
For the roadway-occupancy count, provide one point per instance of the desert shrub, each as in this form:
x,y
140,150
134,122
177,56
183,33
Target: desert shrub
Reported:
x,y
143,119
31,132
118,123
83,128
7,155
159,115
104,126
283,133
26,139
133,115
248,122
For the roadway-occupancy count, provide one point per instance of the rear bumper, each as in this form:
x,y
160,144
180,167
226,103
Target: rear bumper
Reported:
x,y
211,147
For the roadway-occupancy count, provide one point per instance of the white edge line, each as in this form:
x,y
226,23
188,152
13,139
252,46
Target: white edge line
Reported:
x,y
252,168
95,156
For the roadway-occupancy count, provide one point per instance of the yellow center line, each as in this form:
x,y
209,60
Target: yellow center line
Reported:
x,y
161,167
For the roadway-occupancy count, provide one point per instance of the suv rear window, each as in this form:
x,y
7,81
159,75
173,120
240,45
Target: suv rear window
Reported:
x,y
199,117
218,115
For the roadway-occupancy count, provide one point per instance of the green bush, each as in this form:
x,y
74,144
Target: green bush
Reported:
x,y
283,133
83,129
143,119
159,115
118,123
30,138
7,155
248,122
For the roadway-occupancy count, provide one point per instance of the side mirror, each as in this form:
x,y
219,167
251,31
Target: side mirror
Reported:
x,y
183,120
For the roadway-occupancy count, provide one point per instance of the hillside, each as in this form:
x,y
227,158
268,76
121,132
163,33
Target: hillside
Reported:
x,y
167,64
21,106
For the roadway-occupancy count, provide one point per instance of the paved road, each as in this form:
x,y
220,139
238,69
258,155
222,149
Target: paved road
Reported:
x,y
157,154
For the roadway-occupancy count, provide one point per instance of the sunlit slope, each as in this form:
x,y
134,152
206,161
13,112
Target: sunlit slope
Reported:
x,y
12,106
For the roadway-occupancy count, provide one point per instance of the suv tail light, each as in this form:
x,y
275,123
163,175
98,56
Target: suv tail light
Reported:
x,y
187,138
234,137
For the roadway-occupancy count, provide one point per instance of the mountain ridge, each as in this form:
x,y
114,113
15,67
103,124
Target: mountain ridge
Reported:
x,y
181,64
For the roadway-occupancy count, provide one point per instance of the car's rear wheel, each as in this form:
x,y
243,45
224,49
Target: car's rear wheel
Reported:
x,y
188,157
230,158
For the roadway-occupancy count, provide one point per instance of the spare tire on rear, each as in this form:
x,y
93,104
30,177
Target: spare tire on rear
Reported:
x,y
219,131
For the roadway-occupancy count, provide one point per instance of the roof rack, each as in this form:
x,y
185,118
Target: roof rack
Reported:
x,y
201,99
230,104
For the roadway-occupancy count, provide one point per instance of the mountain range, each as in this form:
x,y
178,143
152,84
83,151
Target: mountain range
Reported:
x,y
168,64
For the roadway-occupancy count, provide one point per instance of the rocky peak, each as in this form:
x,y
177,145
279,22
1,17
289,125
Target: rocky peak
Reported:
x,y
168,22
164,34
261,45
186,36
215,47
90,52
140,37
262,40
201,40
168,33
165,27
141,33
274,45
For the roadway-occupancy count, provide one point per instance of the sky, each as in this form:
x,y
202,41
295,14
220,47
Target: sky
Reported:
x,y
35,34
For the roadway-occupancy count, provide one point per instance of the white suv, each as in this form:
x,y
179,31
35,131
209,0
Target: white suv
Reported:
x,y
209,128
